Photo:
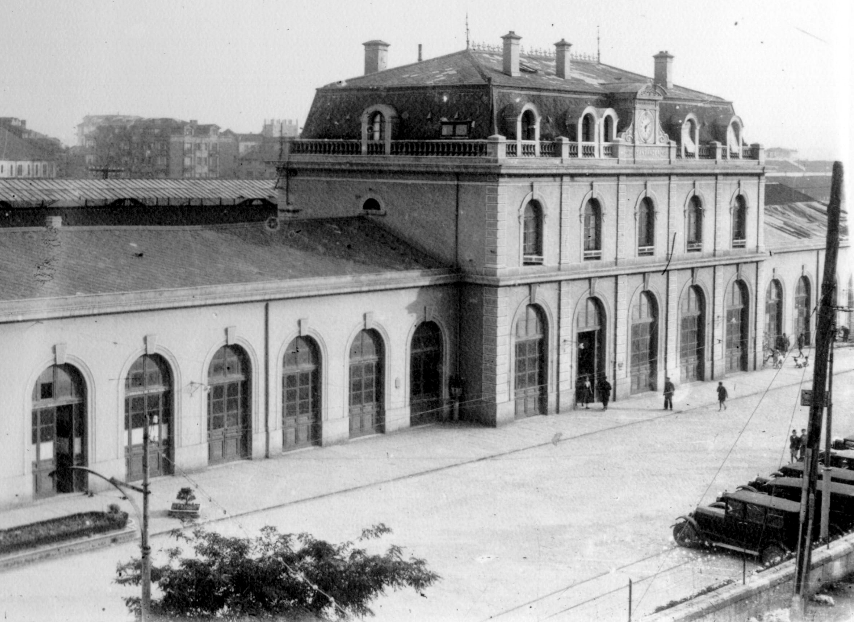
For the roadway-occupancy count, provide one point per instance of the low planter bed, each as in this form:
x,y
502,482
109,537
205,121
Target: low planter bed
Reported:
x,y
58,530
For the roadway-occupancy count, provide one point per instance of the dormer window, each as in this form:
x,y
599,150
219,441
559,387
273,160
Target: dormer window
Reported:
x,y
690,138
588,129
455,129
529,126
376,127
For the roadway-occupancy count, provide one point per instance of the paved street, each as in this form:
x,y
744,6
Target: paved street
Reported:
x,y
547,518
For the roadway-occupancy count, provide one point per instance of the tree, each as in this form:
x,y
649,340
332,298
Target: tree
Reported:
x,y
273,577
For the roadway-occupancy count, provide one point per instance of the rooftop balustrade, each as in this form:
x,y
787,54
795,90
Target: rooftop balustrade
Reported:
x,y
500,148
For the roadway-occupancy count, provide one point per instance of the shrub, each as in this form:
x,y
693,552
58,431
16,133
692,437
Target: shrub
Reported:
x,y
60,530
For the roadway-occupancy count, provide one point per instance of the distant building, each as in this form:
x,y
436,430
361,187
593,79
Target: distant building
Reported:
x,y
780,153
20,157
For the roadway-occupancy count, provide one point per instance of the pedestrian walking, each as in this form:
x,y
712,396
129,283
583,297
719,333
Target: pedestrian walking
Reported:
x,y
779,362
604,392
722,396
794,445
586,393
669,389
802,340
802,448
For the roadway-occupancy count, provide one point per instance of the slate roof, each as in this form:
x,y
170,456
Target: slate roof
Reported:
x,y
28,192
469,67
13,147
782,166
796,223
68,261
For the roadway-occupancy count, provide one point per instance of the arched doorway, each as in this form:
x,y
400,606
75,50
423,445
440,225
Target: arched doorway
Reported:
x,y
802,310
425,375
301,394
590,339
366,384
229,411
773,314
692,334
148,390
737,314
530,379
644,362
59,431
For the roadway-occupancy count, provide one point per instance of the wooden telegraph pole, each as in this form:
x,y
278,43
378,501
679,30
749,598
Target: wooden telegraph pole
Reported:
x,y
824,339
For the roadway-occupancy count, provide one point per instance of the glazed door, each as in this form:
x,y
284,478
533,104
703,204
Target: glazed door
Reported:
x,y
691,348
227,422
644,360
588,364
365,398
736,341
302,414
529,377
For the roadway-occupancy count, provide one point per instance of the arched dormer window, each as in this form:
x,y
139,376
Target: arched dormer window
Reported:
x,y
592,230
529,126
608,129
739,223
694,225
378,123
532,234
588,128
646,227
376,127
690,138
734,138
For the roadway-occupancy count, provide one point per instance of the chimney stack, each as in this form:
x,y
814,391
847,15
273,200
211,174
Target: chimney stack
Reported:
x,y
511,53
562,58
664,69
376,56
419,52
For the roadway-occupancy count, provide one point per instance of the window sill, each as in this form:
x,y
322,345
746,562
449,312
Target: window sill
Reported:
x,y
593,255
695,247
646,251
532,260
739,244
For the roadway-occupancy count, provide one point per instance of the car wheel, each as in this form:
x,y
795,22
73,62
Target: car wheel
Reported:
x,y
685,534
772,555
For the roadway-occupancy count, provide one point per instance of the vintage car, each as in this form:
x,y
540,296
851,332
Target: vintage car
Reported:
x,y
753,523
796,470
791,488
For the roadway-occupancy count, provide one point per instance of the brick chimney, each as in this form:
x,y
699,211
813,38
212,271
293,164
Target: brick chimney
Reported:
x,y
664,69
562,60
376,56
511,53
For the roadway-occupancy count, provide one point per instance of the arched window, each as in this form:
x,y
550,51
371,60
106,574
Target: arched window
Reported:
x,y
59,431
229,412
737,330
733,138
529,126
366,384
532,234
646,227
739,223
692,334
588,128
530,380
376,127
608,129
425,374
592,230
301,394
644,359
148,390
590,339
802,310
694,225
774,315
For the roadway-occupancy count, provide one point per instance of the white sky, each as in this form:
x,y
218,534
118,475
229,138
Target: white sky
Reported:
x,y
786,65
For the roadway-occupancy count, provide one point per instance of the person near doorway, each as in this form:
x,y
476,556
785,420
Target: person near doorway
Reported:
x,y
802,340
669,389
794,445
802,447
786,344
779,362
586,393
722,396
604,392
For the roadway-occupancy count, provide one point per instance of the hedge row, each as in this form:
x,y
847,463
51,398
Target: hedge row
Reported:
x,y
60,530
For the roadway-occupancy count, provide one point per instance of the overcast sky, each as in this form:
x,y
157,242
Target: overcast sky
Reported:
x,y
786,65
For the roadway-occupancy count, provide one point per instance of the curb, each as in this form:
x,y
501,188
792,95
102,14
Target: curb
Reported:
x,y
84,544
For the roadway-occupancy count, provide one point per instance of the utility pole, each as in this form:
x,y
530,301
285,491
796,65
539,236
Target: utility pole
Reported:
x,y
145,610
824,337
828,440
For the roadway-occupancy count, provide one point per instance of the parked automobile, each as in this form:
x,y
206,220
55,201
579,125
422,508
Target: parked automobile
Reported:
x,y
753,523
791,488
796,470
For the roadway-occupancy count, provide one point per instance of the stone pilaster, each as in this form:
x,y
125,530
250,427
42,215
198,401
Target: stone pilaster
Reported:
x,y
566,350
619,353
763,270
624,221
568,224
760,216
717,315
497,397
671,318
495,228
721,217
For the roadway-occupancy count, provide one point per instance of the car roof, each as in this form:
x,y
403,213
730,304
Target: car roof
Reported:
x,y
764,500
836,486
842,473
848,454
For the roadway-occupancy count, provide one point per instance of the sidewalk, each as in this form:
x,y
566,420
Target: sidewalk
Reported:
x,y
240,488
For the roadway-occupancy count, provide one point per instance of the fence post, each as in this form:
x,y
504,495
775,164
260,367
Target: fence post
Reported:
x,y
630,600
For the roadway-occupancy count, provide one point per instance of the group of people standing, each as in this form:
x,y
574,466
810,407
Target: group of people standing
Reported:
x,y
603,388
797,445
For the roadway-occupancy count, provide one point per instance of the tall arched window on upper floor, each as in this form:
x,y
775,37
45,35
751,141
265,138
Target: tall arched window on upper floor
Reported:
x,y
376,127
592,230
694,225
646,227
532,234
739,223
529,126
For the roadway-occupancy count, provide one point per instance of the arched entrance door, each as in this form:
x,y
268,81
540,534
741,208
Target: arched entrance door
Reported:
x,y
425,375
737,313
530,379
148,390
301,394
590,340
802,310
59,431
773,314
644,362
692,334
366,384
229,411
